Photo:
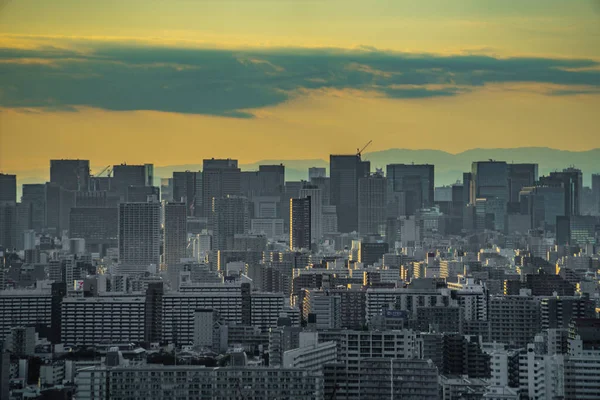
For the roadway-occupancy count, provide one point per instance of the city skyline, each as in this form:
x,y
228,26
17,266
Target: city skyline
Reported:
x,y
427,75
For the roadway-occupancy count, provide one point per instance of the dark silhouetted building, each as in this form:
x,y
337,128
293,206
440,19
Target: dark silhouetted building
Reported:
x,y
410,188
99,226
231,217
187,187
345,171
175,233
8,188
70,174
372,204
300,224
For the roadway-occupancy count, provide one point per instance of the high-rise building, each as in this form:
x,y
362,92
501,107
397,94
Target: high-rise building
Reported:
x,y
520,176
8,188
140,194
571,180
131,175
175,233
596,192
410,188
543,202
139,235
98,226
8,225
187,187
35,195
70,174
220,178
490,179
372,203
345,171
230,216
300,226
271,179
316,172
316,210
59,202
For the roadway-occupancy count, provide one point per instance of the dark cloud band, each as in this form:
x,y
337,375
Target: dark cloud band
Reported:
x,y
228,82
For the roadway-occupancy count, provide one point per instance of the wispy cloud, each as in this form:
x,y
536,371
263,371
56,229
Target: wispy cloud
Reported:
x,y
229,82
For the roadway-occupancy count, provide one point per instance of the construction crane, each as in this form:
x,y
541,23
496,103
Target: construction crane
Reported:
x,y
359,151
103,171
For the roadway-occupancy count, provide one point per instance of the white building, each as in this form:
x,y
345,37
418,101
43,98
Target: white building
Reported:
x,y
311,355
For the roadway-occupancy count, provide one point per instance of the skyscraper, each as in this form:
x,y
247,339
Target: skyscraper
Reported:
x,y
230,217
131,175
187,187
316,210
139,235
8,225
489,179
410,187
300,226
8,188
316,172
220,178
571,180
271,179
175,232
372,202
35,195
345,171
59,202
99,226
70,174
520,176
596,192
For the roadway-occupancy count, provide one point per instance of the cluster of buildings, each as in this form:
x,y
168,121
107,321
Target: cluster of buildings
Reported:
x,y
352,284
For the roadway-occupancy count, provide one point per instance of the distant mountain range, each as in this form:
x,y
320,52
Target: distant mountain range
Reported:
x,y
448,167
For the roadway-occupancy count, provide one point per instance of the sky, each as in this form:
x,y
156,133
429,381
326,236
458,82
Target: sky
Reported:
x,y
176,81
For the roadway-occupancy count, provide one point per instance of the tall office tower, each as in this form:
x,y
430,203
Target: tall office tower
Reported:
x,y
520,176
70,174
131,175
8,224
271,179
35,195
230,217
489,179
98,226
8,188
316,172
166,189
220,178
571,180
140,194
324,184
316,211
543,203
23,225
410,188
467,187
300,226
139,235
187,187
345,171
372,203
596,192
175,232
59,202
